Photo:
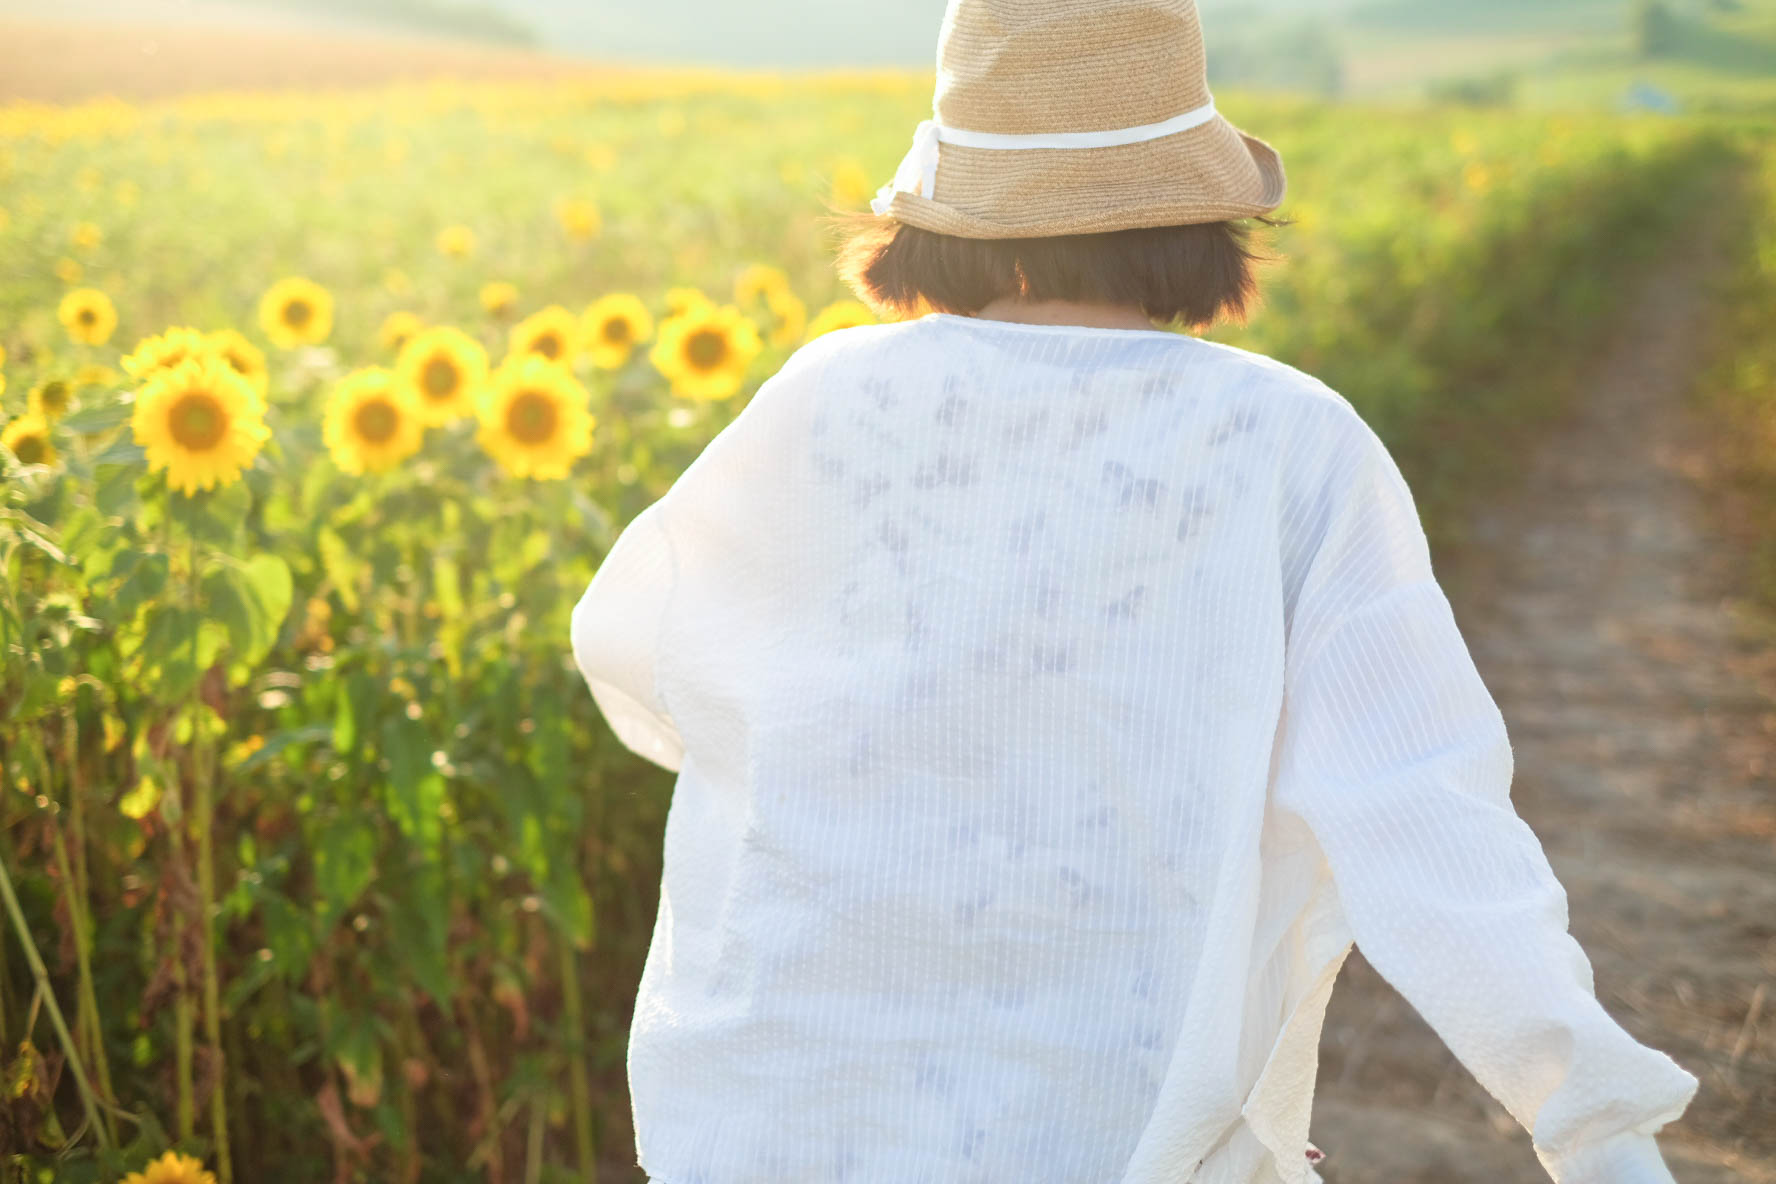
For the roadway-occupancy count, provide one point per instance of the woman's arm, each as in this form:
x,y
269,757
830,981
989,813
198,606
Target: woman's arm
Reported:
x,y
1395,756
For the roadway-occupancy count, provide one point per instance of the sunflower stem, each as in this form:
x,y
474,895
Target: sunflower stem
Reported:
x,y
86,1014
579,1090
47,994
203,810
80,909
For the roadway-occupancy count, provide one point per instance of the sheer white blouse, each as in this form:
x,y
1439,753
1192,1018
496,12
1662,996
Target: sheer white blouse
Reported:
x,y
1052,708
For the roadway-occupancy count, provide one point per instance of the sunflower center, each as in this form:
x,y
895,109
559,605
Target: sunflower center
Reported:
x,y
706,349
439,378
375,421
297,313
197,421
616,331
531,418
549,345
31,450
87,316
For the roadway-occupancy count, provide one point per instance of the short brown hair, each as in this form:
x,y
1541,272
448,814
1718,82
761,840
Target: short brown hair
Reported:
x,y
1194,275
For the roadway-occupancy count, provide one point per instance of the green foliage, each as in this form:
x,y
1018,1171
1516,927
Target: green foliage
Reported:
x,y
1739,388
435,869
1498,89
1657,30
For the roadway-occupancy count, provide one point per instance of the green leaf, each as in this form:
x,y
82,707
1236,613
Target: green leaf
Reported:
x,y
419,932
114,493
215,516
567,903
344,865
342,567
90,421
144,578
251,599
447,587
416,789
277,742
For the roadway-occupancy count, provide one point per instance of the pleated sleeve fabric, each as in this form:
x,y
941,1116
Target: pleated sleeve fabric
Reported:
x,y
1395,756
615,636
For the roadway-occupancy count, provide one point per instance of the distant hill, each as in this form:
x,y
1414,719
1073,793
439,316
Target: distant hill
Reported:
x,y
764,33
468,19
1493,16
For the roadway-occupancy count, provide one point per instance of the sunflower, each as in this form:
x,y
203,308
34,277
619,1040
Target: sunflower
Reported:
x,y
172,1168
613,326
757,282
372,421
552,333
88,315
846,314
444,370
164,351
296,311
850,184
456,241
27,438
247,359
579,217
681,300
534,418
498,298
94,374
786,318
201,422
705,351
51,400
398,329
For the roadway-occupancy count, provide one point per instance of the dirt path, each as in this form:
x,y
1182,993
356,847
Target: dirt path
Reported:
x,y
1642,710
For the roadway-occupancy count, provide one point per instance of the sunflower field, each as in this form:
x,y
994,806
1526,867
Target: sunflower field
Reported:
x,y
319,412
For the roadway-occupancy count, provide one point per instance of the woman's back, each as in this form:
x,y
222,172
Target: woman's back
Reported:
x,y
990,856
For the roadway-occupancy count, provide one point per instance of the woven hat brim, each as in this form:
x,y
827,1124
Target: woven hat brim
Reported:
x,y
1210,173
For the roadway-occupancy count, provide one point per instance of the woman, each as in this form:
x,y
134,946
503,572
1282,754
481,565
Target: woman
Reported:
x,y
1055,698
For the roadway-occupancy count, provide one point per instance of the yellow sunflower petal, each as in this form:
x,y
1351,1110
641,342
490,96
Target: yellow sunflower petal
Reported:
x,y
613,326
201,422
845,314
552,334
27,438
296,311
88,315
705,352
444,370
534,419
372,422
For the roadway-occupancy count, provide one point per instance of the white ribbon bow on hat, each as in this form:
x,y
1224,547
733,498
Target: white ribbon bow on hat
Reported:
x,y
918,170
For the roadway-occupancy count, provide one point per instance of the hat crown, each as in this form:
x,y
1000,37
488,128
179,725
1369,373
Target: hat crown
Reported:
x,y
1020,67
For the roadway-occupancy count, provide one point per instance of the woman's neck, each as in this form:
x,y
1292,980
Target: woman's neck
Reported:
x,y
1066,312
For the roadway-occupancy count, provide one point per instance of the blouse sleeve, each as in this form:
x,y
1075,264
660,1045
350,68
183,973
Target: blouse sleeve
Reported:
x,y
1394,755
615,630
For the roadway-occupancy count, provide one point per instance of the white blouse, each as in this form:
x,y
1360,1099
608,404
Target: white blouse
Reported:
x,y
1052,707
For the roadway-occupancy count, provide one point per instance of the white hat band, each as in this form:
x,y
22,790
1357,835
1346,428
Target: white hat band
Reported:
x,y
918,171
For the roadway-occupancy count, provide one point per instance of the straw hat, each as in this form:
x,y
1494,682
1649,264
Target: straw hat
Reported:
x,y
1073,117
